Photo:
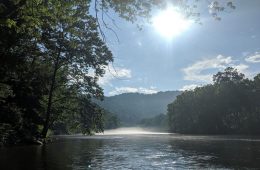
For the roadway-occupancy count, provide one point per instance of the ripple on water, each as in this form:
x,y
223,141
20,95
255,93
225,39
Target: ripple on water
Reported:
x,y
136,151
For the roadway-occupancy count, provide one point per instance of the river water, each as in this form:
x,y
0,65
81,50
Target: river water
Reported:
x,y
135,150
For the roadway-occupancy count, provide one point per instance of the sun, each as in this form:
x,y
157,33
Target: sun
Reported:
x,y
170,23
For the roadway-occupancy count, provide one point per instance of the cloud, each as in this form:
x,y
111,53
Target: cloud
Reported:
x,y
253,59
195,71
113,73
242,68
120,90
189,87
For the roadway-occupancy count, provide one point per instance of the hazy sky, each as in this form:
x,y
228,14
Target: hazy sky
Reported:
x,y
147,62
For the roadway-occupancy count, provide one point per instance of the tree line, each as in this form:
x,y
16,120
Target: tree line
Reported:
x,y
231,105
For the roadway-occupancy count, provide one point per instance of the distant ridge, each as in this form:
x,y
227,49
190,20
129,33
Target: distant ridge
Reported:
x,y
132,107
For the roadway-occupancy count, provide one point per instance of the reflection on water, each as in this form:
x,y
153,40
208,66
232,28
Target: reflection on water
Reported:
x,y
136,151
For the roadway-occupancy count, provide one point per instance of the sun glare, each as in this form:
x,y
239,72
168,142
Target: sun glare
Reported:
x,y
170,23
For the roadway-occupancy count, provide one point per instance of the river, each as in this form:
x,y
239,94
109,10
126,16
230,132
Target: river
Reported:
x,y
135,149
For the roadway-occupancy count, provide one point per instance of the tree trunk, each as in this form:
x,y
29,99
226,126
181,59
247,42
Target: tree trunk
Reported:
x,y
48,112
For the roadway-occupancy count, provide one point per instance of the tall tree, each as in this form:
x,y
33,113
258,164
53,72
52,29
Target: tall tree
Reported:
x,y
71,44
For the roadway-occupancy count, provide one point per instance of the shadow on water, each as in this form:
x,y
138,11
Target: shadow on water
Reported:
x,y
61,155
135,149
216,152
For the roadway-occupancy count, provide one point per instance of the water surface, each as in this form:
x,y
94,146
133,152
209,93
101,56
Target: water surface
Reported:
x,y
142,150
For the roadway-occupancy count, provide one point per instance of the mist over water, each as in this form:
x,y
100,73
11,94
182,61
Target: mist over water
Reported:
x,y
131,131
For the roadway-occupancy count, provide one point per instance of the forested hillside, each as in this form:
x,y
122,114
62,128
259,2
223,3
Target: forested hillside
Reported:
x,y
131,108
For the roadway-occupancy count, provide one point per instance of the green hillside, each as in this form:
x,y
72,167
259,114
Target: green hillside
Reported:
x,y
131,108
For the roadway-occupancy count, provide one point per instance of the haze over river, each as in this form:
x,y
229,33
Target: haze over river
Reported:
x,y
133,148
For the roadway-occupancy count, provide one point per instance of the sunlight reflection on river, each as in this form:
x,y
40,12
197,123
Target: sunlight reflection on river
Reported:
x,y
136,148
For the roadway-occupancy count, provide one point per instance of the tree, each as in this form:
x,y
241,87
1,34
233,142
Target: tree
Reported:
x,y
72,46
111,120
229,75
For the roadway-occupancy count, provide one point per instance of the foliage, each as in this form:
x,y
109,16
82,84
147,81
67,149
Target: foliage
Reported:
x,y
159,121
229,106
111,120
135,10
51,58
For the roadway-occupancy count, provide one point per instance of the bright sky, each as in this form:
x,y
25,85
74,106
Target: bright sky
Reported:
x,y
156,59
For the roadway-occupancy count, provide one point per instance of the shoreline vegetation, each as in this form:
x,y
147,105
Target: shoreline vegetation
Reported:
x,y
228,106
